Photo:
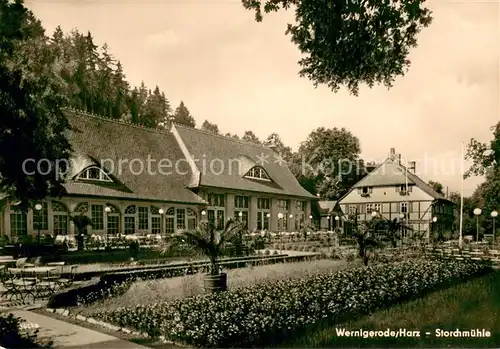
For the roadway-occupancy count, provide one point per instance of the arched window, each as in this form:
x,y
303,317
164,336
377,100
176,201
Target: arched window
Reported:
x,y
258,172
60,218
113,220
180,218
18,222
82,208
191,218
41,217
155,220
94,173
143,217
170,220
129,217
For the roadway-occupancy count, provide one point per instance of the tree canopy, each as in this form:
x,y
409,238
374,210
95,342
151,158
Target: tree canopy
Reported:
x,y
208,126
32,126
438,187
183,116
348,43
329,158
250,136
485,158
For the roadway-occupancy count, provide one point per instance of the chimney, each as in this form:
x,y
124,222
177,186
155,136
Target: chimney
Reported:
x,y
412,167
392,154
399,159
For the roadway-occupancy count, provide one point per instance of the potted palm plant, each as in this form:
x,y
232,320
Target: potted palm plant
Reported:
x,y
366,240
207,240
393,229
81,223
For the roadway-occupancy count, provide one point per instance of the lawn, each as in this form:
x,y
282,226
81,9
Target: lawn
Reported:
x,y
472,305
147,292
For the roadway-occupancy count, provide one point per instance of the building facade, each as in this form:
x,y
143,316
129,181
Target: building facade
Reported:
x,y
331,216
396,192
129,179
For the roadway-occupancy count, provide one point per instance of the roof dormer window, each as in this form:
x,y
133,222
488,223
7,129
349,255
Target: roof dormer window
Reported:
x,y
94,174
258,172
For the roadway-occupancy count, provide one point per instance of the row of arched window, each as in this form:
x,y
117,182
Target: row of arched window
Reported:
x,y
106,217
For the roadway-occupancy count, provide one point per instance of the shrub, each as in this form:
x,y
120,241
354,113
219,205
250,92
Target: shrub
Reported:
x,y
275,252
134,248
269,312
267,252
13,336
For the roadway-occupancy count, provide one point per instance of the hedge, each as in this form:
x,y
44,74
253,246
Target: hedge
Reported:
x,y
265,313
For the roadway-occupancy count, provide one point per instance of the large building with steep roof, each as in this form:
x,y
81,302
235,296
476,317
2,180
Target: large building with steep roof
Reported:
x,y
396,192
157,182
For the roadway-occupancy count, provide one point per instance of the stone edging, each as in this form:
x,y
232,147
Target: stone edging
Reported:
x,y
108,326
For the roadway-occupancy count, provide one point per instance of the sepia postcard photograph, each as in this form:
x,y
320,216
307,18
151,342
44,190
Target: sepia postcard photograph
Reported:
x,y
183,174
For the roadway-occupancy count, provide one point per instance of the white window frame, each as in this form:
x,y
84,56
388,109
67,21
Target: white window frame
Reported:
x,y
258,172
103,177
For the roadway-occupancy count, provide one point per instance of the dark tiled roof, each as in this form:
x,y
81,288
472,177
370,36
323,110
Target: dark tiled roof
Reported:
x,y
238,157
390,172
100,139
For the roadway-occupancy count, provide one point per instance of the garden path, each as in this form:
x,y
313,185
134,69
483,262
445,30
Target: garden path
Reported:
x,y
67,335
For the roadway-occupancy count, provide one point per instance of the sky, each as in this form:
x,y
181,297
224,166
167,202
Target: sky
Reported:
x,y
243,75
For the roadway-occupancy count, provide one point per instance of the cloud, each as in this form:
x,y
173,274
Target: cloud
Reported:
x,y
163,39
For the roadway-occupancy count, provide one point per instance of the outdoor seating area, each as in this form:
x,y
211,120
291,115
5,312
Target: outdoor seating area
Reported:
x,y
27,282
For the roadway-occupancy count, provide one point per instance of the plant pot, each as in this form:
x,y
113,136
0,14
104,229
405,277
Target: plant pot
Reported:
x,y
215,283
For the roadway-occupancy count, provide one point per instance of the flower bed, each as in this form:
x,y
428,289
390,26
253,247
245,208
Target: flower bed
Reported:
x,y
264,313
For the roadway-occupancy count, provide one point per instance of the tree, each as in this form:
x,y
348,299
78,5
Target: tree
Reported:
x,y
486,161
274,141
438,187
351,43
235,136
329,158
485,158
32,124
81,223
251,137
209,127
182,116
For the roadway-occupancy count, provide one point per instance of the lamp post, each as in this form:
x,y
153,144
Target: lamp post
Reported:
x,y
161,212
434,220
38,208
401,217
280,223
337,231
203,214
477,213
494,214
108,210
328,219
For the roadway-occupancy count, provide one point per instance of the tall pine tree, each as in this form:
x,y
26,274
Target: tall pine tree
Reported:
x,y
182,116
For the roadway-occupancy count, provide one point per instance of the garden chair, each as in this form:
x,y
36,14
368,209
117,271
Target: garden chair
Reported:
x,y
46,284
12,290
22,284
67,282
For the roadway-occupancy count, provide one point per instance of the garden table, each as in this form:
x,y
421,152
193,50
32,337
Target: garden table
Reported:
x,y
38,270
56,264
